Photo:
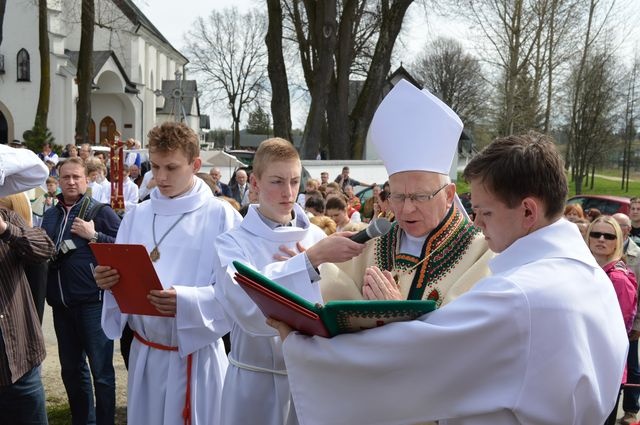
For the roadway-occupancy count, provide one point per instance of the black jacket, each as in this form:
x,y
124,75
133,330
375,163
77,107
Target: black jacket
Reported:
x,y
70,281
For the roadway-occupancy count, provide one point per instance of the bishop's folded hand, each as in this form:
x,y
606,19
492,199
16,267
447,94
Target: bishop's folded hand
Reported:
x,y
380,285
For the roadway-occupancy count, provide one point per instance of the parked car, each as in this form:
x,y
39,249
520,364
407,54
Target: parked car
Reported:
x,y
364,194
243,155
604,203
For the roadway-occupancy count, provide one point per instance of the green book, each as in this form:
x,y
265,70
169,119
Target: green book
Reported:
x,y
330,319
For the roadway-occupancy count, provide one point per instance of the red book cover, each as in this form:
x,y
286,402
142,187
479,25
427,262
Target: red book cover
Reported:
x,y
282,309
137,276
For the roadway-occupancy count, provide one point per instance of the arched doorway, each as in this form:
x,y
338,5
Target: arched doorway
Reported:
x,y
107,129
92,132
4,129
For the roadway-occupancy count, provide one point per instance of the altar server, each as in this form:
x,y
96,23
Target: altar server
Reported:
x,y
540,341
256,390
177,363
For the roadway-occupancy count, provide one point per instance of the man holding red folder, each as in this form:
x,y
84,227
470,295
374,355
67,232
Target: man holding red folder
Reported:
x,y
177,363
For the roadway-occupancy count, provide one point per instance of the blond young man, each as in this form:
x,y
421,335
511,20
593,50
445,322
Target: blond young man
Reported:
x,y
256,390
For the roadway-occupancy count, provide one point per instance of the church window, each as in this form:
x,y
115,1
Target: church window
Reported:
x,y
24,66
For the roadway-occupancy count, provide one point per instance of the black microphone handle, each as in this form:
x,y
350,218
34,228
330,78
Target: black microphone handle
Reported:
x,y
361,237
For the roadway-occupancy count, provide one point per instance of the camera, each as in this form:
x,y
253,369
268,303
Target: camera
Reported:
x,y
66,248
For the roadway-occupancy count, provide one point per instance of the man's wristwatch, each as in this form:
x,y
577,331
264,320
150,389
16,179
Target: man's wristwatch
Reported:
x,y
94,238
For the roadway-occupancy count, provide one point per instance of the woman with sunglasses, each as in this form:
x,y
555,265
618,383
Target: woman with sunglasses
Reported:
x,y
604,238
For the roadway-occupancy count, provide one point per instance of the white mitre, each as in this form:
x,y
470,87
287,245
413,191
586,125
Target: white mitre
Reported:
x,y
412,130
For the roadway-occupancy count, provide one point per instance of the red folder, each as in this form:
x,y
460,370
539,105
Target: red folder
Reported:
x,y
282,309
137,276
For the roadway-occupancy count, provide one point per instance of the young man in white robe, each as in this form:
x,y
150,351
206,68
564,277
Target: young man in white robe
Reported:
x,y
256,390
541,341
177,226
130,191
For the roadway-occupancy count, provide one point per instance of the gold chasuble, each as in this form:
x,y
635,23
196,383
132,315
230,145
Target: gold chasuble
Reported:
x,y
454,257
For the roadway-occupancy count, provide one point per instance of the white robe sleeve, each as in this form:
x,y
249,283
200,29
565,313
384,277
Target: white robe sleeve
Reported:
x,y
130,195
239,306
200,317
113,320
20,170
417,371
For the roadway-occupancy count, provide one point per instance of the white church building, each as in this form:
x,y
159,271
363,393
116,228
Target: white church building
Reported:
x,y
138,77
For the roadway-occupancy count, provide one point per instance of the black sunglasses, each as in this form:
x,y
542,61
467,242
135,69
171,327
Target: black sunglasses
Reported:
x,y
607,236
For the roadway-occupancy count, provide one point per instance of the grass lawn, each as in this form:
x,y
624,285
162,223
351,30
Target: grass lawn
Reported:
x,y
602,185
59,414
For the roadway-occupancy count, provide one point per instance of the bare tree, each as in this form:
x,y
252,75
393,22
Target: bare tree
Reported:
x,y
228,53
42,111
629,130
580,134
526,41
455,76
3,6
594,86
392,15
85,72
363,34
280,104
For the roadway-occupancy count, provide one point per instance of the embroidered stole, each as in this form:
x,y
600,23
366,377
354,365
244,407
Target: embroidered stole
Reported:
x,y
444,248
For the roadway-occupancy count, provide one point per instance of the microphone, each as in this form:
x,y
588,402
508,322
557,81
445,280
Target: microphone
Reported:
x,y
377,227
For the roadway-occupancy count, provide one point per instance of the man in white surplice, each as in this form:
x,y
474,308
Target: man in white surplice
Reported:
x,y
540,341
177,226
256,390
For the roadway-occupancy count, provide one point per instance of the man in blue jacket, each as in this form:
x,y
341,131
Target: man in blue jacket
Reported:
x,y
75,299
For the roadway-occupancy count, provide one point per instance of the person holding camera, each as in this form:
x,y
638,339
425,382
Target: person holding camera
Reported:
x,y
76,301
22,348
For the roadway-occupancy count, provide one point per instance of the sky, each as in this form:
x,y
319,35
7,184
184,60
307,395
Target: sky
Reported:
x,y
173,22
174,19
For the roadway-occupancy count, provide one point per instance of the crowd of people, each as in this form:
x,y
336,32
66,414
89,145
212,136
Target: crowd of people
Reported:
x,y
532,326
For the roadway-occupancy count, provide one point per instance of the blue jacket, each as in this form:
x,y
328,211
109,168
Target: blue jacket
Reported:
x,y
70,281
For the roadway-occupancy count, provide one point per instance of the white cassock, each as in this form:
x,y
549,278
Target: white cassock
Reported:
x,y
129,193
541,341
256,390
106,191
20,170
158,378
99,192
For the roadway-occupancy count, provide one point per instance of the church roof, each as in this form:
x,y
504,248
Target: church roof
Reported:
x,y
401,72
99,58
136,17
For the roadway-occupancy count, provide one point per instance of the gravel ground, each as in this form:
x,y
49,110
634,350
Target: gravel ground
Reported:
x,y
54,388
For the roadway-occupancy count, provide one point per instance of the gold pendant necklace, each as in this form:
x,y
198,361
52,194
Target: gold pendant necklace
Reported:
x,y
155,253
